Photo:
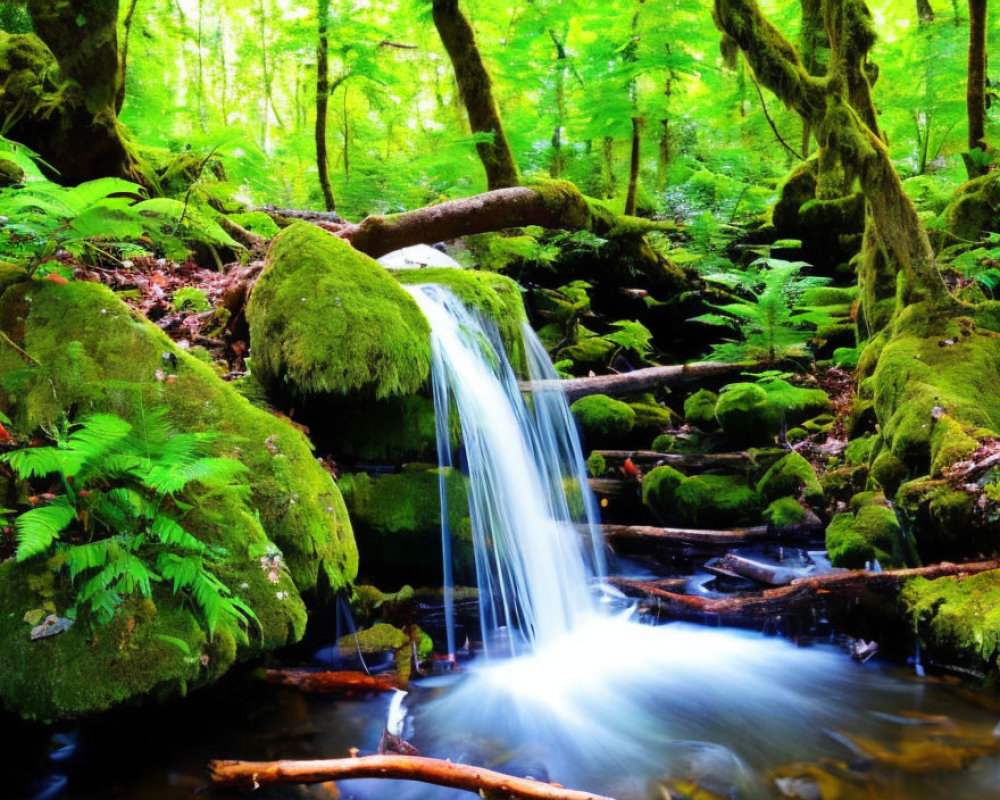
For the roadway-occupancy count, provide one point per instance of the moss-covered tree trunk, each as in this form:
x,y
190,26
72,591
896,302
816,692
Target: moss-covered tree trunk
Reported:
x,y
61,89
476,90
633,169
975,91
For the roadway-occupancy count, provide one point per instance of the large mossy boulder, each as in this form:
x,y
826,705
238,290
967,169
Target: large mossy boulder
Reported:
x,y
603,419
700,501
870,534
328,320
89,353
754,413
397,521
790,476
973,211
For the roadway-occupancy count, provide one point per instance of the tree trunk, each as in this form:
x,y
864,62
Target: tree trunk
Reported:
x,y
633,169
925,13
476,90
123,61
323,104
975,91
77,131
556,166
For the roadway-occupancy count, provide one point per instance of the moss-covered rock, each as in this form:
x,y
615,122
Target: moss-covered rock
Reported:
x,y
854,540
603,419
958,619
973,210
859,451
381,638
651,417
699,409
792,476
397,522
326,319
597,465
11,173
754,413
709,501
659,490
942,518
94,355
785,512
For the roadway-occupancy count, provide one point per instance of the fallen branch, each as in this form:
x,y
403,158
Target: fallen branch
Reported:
x,y
640,380
735,536
611,487
484,782
798,593
331,682
694,461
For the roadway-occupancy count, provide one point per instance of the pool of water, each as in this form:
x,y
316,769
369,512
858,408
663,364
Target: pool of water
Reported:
x,y
618,708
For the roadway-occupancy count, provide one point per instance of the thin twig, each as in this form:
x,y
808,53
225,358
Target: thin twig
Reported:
x,y
30,359
770,121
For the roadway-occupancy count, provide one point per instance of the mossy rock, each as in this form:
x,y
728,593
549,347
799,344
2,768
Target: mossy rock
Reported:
x,y
799,188
942,519
792,476
652,417
958,619
381,638
873,533
328,320
699,410
95,355
974,209
691,442
11,173
603,419
597,465
710,501
785,512
391,431
828,296
397,522
754,413
659,490
496,298
859,451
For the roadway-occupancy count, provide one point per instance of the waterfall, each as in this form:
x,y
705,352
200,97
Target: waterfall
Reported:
x,y
529,503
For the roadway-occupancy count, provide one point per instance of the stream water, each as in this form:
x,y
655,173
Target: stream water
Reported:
x,y
569,684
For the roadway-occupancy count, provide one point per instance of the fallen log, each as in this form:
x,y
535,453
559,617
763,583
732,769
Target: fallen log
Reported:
x,y
611,487
698,536
640,380
695,461
331,682
484,782
798,593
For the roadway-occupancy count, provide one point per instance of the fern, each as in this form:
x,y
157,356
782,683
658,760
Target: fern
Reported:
x,y
116,528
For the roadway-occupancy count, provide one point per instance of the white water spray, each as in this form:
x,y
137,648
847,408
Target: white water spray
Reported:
x,y
528,492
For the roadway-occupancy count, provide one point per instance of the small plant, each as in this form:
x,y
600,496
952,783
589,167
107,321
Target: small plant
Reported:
x,y
192,299
769,321
117,523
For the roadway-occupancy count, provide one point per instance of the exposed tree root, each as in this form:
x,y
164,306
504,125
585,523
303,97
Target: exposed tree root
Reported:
x,y
485,782
799,593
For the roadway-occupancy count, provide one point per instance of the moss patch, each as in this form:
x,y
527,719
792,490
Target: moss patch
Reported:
x,y
699,409
791,476
326,319
852,540
752,413
603,419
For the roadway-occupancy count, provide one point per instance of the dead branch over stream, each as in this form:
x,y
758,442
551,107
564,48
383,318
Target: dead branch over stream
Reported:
x,y
331,682
695,461
640,380
484,782
731,537
799,593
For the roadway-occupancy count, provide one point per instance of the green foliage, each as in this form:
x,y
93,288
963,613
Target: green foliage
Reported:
x,y
117,525
769,319
191,298
107,217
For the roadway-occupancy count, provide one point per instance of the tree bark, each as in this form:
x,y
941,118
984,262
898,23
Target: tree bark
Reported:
x,y
323,104
694,461
687,536
925,13
633,169
476,90
340,682
484,782
123,61
975,91
70,120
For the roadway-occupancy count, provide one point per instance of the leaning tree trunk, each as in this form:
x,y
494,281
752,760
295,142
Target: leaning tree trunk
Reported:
x,y
70,120
476,90
323,104
633,169
975,91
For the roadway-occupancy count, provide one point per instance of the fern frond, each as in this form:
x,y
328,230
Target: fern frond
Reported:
x,y
35,462
39,528
170,533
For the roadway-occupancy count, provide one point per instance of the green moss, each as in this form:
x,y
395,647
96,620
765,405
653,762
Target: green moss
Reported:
x,y
799,188
97,356
699,409
11,173
596,465
795,435
859,450
496,297
693,442
659,489
841,214
602,418
257,222
589,351
389,431
381,638
829,296
708,501
752,413
888,472
327,319
987,316
958,619
793,476
652,417
785,512
973,211
397,521
852,540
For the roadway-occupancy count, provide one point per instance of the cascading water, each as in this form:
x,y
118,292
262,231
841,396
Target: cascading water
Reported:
x,y
597,700
528,496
